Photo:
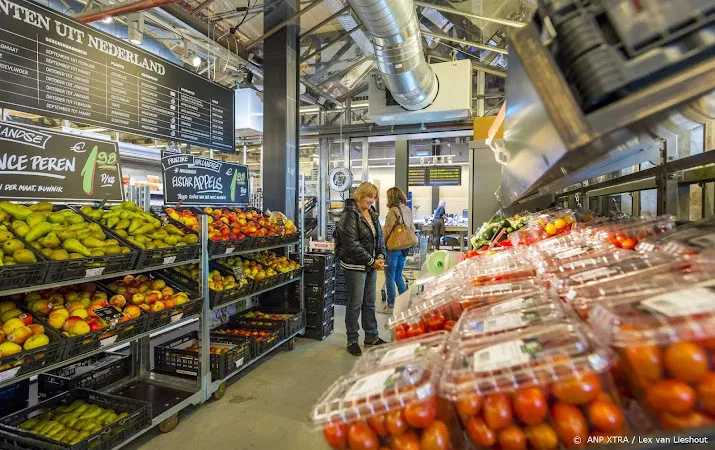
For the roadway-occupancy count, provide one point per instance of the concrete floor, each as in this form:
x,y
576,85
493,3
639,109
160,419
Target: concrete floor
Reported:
x,y
268,407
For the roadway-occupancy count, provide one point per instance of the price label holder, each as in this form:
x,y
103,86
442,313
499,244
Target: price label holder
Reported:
x,y
108,341
230,250
94,272
177,317
109,315
239,363
169,260
9,373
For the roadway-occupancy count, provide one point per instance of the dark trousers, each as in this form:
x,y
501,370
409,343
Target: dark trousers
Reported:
x,y
361,302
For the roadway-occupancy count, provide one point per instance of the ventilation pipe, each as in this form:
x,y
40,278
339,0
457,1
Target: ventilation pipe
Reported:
x,y
106,12
394,30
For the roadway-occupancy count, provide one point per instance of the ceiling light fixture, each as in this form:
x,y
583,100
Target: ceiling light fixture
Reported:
x,y
196,60
107,20
135,28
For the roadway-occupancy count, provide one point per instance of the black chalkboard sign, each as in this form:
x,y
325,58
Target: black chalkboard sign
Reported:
x,y
55,66
193,180
434,176
40,164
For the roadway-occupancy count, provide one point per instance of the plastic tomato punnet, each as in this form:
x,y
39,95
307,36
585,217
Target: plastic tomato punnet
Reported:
x,y
542,387
628,234
666,344
427,346
394,407
690,239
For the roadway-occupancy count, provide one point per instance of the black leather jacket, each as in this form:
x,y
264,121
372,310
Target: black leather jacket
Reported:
x,y
354,241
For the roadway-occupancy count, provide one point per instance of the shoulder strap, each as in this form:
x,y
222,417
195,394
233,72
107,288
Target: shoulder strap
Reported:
x,y
402,219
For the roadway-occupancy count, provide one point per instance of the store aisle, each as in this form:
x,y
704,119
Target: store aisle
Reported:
x,y
268,408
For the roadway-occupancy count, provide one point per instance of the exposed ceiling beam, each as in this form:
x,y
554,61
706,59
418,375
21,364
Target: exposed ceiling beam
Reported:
x,y
281,25
324,22
463,42
201,6
119,9
339,38
446,9
341,73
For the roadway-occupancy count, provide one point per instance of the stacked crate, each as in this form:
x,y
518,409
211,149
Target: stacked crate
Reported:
x,y
319,294
341,285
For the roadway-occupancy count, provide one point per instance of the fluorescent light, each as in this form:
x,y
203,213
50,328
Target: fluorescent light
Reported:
x,y
107,20
135,28
196,61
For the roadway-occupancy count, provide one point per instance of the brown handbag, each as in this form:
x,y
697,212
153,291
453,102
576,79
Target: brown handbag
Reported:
x,y
402,237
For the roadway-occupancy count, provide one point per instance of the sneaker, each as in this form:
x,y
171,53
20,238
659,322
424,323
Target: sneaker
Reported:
x,y
354,349
385,310
377,341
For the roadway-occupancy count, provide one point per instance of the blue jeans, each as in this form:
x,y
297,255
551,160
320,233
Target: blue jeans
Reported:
x,y
361,301
393,275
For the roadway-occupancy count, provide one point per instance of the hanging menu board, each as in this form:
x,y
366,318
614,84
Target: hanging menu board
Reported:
x,y
54,66
435,176
193,180
39,164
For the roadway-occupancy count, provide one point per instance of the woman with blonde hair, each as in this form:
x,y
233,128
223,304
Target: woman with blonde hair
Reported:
x,y
399,213
361,249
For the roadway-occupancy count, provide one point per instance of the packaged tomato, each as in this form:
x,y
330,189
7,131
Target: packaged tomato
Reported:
x,y
488,322
576,255
543,226
396,407
627,234
690,239
501,271
667,348
427,346
441,312
545,387
617,269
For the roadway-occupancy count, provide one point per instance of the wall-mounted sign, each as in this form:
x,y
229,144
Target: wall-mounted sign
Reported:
x,y
192,180
434,176
40,164
54,66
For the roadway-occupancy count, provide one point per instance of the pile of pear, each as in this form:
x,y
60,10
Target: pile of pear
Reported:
x,y
140,227
59,235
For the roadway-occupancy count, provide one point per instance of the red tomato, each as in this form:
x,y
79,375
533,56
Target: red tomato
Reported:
x,y
400,335
497,411
361,437
646,361
569,424
469,404
405,441
542,437
435,322
512,438
416,329
480,433
579,389
336,434
448,325
706,393
692,419
395,422
422,414
378,424
686,361
530,405
435,437
606,416
671,396
628,243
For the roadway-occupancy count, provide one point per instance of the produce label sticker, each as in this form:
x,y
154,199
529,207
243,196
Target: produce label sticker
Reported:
x,y
239,362
109,341
176,317
510,305
593,274
399,353
169,259
505,354
94,272
9,373
504,322
683,303
372,384
495,288
229,250
572,253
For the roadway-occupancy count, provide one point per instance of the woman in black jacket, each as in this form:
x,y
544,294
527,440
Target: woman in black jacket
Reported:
x,y
360,246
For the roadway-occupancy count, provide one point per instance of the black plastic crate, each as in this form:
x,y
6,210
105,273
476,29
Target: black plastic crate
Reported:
x,y
319,304
318,262
14,397
321,332
267,283
316,318
35,359
172,357
95,372
168,315
243,341
20,275
137,419
274,334
319,278
320,291
216,298
294,324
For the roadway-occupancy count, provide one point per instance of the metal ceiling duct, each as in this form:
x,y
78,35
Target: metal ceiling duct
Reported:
x,y
394,30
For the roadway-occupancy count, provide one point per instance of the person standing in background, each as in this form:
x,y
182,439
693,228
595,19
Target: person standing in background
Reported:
x,y
440,216
360,246
398,213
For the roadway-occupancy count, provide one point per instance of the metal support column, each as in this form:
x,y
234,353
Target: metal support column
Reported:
x,y
280,145
481,89
323,191
205,332
402,163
